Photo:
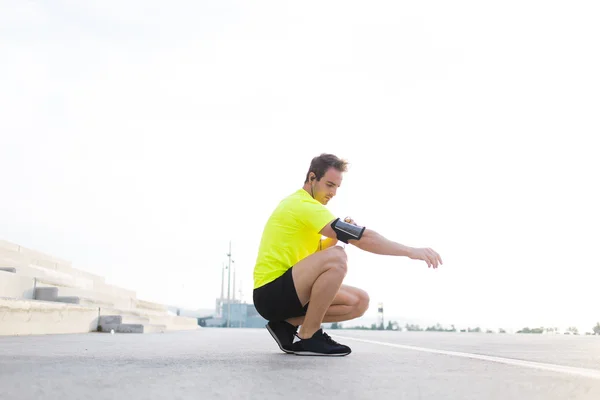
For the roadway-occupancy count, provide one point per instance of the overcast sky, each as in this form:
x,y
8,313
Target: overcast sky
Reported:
x,y
139,137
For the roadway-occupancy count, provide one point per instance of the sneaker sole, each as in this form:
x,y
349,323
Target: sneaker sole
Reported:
x,y
310,353
277,340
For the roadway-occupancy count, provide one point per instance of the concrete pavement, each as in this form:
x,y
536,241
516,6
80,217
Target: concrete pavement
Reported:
x,y
214,363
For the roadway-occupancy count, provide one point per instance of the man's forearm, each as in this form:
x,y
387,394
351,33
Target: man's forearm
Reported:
x,y
373,242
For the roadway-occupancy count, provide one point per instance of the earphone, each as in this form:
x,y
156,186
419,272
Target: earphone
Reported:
x,y
312,178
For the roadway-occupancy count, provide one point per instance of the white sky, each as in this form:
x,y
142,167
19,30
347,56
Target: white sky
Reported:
x,y
127,132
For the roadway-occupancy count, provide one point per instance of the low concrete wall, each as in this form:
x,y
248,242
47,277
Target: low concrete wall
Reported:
x,y
32,317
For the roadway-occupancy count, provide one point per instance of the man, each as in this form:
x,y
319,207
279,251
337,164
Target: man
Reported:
x,y
298,275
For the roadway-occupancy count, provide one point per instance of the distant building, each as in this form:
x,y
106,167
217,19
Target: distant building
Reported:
x,y
241,315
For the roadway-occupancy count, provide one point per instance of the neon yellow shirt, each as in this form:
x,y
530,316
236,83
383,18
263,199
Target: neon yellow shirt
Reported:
x,y
290,234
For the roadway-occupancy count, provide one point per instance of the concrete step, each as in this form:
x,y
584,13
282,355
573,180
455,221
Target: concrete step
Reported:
x,y
43,259
10,258
172,322
132,328
51,277
122,319
79,273
114,290
16,286
84,301
56,294
15,254
149,305
34,317
26,256
98,297
4,245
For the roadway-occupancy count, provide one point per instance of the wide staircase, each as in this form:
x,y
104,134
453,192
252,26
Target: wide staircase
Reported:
x,y
41,294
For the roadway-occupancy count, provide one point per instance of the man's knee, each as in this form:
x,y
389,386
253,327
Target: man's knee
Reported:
x,y
363,303
337,259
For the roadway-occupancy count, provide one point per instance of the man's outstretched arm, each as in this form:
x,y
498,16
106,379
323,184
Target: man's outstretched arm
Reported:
x,y
376,243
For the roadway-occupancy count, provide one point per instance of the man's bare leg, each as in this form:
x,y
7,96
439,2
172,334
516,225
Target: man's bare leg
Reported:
x,y
348,304
318,279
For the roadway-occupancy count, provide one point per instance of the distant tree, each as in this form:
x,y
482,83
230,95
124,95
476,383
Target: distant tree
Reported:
x,y
501,330
362,328
436,328
410,327
335,326
389,326
534,330
374,327
597,328
573,330
380,327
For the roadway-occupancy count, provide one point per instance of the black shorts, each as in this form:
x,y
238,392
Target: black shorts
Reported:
x,y
278,300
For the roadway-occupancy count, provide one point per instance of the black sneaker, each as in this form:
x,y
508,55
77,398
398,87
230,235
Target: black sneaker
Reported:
x,y
283,332
320,344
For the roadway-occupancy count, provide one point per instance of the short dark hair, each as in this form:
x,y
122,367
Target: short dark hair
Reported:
x,y
320,164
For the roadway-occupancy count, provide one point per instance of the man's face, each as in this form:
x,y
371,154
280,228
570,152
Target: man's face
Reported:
x,y
326,188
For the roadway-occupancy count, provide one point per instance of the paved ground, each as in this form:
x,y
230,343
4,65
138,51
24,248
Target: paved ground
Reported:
x,y
246,364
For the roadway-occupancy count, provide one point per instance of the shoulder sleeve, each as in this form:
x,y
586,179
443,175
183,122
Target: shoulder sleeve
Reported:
x,y
314,215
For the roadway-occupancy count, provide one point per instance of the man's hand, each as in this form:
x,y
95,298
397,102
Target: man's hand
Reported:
x,y
349,220
426,254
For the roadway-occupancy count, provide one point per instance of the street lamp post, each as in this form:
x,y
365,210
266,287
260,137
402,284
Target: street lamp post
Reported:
x,y
228,286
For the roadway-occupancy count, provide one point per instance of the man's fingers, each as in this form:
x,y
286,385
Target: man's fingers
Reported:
x,y
439,257
431,257
436,257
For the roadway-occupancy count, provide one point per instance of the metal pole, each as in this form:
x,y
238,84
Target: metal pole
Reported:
x,y
222,290
228,286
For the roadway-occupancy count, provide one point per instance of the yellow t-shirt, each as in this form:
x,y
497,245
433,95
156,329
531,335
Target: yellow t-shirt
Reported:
x,y
290,234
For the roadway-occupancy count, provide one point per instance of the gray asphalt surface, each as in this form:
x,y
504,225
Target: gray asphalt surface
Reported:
x,y
247,364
